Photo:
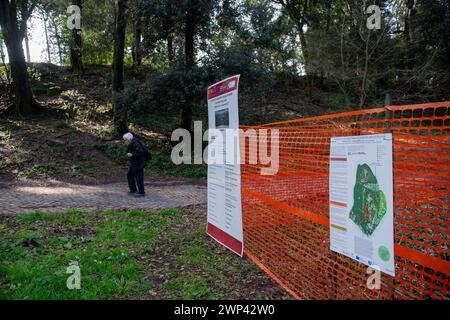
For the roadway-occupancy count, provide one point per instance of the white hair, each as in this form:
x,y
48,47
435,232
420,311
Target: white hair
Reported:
x,y
128,136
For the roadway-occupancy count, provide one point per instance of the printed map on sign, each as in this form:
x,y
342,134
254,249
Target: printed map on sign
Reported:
x,y
361,200
369,202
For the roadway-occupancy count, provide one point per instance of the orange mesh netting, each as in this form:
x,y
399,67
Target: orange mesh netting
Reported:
x,y
286,216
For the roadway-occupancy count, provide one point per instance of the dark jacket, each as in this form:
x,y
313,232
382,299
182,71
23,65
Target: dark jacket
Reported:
x,y
137,161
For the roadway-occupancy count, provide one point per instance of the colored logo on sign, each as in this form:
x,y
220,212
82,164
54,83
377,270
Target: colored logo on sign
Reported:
x,y
384,253
222,88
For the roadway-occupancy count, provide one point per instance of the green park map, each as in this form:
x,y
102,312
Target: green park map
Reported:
x,y
369,206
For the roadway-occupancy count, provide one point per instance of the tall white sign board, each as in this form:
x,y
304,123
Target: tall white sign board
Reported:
x,y
361,200
224,170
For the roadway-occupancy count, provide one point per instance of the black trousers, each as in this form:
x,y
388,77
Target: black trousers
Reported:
x,y
136,177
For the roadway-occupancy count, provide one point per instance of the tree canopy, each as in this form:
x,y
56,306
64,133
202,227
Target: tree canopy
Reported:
x,y
187,44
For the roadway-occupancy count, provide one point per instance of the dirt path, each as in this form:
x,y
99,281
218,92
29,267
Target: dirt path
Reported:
x,y
62,197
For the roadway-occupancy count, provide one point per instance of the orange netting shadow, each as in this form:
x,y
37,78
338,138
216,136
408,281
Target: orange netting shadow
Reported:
x,y
286,216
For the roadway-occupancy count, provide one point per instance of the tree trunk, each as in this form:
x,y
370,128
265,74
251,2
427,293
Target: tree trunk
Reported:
x,y
408,33
186,115
363,95
76,46
297,11
120,110
189,34
137,46
24,100
170,48
409,29
58,40
304,49
47,42
7,74
75,52
27,46
169,28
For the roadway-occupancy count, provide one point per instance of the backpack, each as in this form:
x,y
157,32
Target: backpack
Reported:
x,y
147,154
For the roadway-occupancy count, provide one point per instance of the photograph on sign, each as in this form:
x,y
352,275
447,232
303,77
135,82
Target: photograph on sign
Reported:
x,y
222,119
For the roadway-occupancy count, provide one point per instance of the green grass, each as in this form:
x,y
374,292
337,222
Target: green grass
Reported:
x,y
39,170
122,255
34,258
57,149
161,163
116,151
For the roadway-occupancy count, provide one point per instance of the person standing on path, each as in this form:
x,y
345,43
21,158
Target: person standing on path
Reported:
x,y
138,156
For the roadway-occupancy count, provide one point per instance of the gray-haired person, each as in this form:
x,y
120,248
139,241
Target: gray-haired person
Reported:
x,y
138,156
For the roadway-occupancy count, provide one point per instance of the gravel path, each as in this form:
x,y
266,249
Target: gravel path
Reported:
x,y
22,199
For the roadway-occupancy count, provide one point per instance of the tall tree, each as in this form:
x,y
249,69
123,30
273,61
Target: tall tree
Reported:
x,y
120,109
57,35
196,13
169,25
49,55
189,55
54,12
298,11
137,35
76,46
13,34
162,20
27,45
7,73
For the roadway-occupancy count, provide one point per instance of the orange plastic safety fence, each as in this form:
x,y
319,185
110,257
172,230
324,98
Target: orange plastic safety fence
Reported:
x,y
286,216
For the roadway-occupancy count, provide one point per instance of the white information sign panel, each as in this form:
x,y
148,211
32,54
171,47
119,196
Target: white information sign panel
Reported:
x,y
224,170
361,200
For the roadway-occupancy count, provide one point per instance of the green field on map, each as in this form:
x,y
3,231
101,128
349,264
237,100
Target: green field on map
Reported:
x,y
369,202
